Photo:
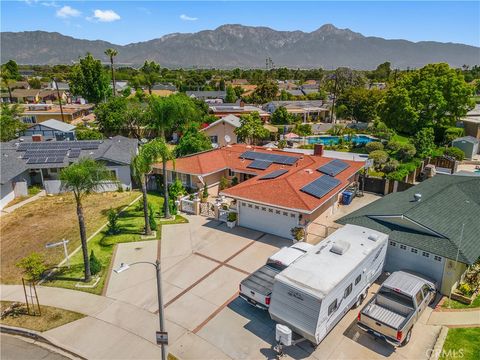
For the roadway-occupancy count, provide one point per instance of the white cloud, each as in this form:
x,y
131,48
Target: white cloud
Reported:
x,y
67,11
30,2
50,4
105,16
187,18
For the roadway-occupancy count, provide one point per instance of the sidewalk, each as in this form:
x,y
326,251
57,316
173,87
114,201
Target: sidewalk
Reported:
x,y
455,318
112,329
12,208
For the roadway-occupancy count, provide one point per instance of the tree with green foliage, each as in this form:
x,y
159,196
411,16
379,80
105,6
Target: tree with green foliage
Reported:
x,y
303,130
112,226
111,53
10,124
12,68
176,189
379,157
192,141
95,264
35,83
149,74
455,152
424,142
88,134
251,128
33,266
382,72
265,92
82,178
230,97
7,82
452,133
360,104
406,152
433,96
281,116
151,217
89,80
374,145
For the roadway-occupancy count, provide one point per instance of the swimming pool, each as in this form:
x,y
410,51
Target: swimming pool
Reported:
x,y
332,140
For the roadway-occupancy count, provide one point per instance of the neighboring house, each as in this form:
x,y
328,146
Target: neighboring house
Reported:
x,y
222,110
34,96
51,130
205,95
471,122
292,195
469,145
314,110
39,163
37,113
218,130
430,225
165,86
61,85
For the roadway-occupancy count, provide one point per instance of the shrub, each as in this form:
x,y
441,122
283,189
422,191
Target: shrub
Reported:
x,y
455,153
406,152
452,133
303,129
297,233
95,265
394,145
390,166
335,130
33,266
379,157
223,183
205,192
465,289
398,174
234,181
424,141
176,189
151,217
374,145
232,216
113,227
282,144
34,190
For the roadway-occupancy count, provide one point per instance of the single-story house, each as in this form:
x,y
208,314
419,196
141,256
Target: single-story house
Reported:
x,y
433,227
469,145
204,95
221,128
237,109
307,109
39,163
276,190
37,113
51,130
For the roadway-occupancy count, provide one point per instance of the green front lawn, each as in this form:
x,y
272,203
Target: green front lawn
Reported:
x,y
453,304
131,223
400,139
462,343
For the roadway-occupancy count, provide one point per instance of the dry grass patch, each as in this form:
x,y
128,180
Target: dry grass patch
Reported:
x,y
51,318
51,219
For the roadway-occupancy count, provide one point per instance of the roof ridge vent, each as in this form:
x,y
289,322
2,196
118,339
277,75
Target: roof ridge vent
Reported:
x,y
340,247
417,197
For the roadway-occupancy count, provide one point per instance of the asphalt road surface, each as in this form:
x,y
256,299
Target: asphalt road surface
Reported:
x,y
15,348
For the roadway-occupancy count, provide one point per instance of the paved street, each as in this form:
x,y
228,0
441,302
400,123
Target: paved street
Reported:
x,y
16,348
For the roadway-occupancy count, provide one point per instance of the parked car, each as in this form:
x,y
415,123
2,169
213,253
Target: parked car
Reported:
x,y
313,294
257,287
394,310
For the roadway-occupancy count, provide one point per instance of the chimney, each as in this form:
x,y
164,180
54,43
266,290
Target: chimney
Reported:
x,y
318,150
37,138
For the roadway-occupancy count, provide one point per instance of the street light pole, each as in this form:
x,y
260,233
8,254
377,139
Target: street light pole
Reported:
x,y
161,315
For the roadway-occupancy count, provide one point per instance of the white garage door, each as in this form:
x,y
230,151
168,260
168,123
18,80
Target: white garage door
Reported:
x,y
267,219
402,257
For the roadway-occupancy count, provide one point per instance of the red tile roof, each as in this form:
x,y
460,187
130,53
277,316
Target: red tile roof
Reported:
x,y
283,191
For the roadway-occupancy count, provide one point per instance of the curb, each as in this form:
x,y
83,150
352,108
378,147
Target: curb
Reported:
x,y
437,348
37,336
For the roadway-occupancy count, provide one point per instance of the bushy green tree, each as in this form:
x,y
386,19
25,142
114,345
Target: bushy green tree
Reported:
x,y
452,133
265,92
303,129
379,157
374,145
406,152
192,141
33,266
251,129
149,75
230,97
281,116
424,142
176,189
10,124
89,80
88,134
454,152
360,104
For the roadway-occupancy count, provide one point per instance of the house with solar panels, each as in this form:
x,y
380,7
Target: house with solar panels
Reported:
x,y
276,190
28,163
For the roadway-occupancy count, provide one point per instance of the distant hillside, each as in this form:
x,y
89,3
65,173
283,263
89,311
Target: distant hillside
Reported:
x,y
232,46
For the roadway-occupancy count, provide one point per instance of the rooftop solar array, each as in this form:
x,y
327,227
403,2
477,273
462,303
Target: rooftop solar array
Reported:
x,y
333,168
44,153
321,186
74,153
59,145
274,174
44,160
272,158
259,164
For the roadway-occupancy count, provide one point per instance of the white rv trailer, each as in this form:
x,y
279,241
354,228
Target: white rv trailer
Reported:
x,y
315,292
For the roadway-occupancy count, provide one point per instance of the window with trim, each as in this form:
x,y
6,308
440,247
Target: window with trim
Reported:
x,y
357,280
347,291
214,139
403,247
415,251
393,243
438,258
230,172
426,254
332,307
243,204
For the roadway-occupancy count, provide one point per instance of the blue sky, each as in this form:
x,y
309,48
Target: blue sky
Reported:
x,y
123,22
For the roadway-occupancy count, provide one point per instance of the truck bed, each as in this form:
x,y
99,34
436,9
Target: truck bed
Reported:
x,y
385,316
261,281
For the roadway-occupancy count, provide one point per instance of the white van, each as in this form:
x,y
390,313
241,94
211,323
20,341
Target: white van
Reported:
x,y
314,293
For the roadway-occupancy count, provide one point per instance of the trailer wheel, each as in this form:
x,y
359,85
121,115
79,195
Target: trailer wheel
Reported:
x,y
359,301
407,338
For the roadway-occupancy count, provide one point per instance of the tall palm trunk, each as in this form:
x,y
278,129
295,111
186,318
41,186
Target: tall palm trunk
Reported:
x,y
10,94
148,229
149,89
83,239
165,189
113,76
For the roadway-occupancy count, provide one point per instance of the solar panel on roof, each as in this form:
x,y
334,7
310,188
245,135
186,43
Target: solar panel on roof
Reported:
x,y
259,164
274,158
321,186
37,160
334,167
74,153
274,174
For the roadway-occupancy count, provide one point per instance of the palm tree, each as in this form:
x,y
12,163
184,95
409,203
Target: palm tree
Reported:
x,y
82,178
111,53
142,166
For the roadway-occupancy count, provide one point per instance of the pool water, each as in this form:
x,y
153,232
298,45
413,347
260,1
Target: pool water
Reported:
x,y
333,140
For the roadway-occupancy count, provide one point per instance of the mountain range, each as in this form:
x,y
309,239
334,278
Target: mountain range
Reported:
x,y
231,46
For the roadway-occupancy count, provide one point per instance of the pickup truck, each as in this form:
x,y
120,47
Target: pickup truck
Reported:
x,y
257,287
393,311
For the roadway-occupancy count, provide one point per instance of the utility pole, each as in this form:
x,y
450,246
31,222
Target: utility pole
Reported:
x,y
59,99
334,97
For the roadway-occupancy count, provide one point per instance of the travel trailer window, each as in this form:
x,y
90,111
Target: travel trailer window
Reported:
x,y
419,297
332,307
357,280
348,291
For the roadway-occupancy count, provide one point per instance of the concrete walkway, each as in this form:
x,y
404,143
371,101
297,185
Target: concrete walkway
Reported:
x,y
12,208
455,318
112,330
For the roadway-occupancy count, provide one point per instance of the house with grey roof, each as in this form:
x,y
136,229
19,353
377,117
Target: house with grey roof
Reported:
x,y
205,95
39,163
222,130
433,227
51,130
